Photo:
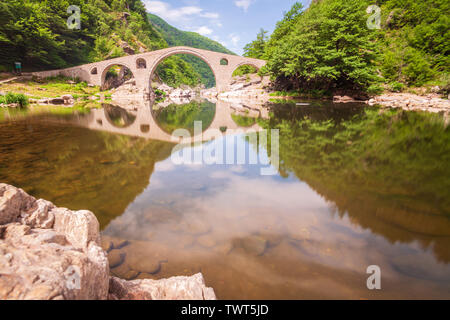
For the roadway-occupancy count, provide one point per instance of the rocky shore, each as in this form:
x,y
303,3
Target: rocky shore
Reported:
x,y
255,88
51,253
408,101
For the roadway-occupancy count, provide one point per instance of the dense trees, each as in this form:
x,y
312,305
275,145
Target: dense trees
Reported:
x,y
329,45
415,41
324,46
256,48
36,33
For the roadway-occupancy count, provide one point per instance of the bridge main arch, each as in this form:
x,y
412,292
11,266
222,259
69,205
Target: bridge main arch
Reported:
x,y
180,50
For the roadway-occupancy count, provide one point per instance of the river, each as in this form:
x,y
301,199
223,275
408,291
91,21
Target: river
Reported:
x,y
355,186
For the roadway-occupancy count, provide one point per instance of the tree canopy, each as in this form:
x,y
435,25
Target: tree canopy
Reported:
x,y
329,45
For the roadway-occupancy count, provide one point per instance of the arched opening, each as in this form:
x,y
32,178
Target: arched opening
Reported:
x,y
245,69
245,76
223,62
145,128
141,64
115,76
117,116
94,70
181,74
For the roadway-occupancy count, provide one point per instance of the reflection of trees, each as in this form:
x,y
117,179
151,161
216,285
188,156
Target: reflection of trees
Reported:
x,y
243,121
118,116
183,116
388,170
79,168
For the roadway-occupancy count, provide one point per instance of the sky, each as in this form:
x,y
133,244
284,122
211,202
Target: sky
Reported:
x,y
233,23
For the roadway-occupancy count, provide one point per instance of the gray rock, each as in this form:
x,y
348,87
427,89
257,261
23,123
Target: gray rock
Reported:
x,y
175,288
56,100
39,261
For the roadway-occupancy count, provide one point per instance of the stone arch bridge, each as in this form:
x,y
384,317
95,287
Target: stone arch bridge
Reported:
x,y
144,65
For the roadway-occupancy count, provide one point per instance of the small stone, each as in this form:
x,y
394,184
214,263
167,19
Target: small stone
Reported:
x,y
148,266
107,243
224,248
206,241
116,258
255,245
300,234
120,244
197,227
272,239
56,101
185,241
127,274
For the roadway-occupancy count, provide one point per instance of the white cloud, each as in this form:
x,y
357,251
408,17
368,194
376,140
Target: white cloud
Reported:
x,y
210,15
244,4
216,38
204,30
167,12
234,38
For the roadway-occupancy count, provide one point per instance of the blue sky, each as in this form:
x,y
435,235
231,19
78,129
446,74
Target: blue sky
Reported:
x,y
234,23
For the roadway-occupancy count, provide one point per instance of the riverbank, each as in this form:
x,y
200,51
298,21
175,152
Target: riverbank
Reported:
x,y
51,253
260,89
64,91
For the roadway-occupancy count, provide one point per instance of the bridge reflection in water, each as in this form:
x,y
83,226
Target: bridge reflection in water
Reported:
x,y
142,122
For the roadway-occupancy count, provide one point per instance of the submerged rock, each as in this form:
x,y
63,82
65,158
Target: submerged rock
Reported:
x,y
207,241
255,245
116,258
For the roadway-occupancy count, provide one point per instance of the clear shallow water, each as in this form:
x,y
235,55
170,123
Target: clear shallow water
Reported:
x,y
355,188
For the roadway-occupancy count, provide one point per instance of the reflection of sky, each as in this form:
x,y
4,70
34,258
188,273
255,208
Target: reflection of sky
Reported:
x,y
236,201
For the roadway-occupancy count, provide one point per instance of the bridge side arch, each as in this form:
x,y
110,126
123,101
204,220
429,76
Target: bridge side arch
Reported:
x,y
245,63
116,63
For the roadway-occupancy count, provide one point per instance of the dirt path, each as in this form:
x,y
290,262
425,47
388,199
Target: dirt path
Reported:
x,y
8,80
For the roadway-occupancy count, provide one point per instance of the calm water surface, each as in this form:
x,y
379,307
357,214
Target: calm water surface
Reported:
x,y
355,187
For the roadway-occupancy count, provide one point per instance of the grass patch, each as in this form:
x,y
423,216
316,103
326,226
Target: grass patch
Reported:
x,y
50,88
285,94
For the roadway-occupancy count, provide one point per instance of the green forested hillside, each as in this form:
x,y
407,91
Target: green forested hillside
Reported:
x,y
35,32
329,46
175,37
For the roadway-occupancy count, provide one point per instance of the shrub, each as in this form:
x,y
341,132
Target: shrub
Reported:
x,y
397,86
11,97
375,89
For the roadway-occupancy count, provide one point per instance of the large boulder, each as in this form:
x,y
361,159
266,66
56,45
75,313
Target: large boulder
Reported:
x,y
48,252
175,288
